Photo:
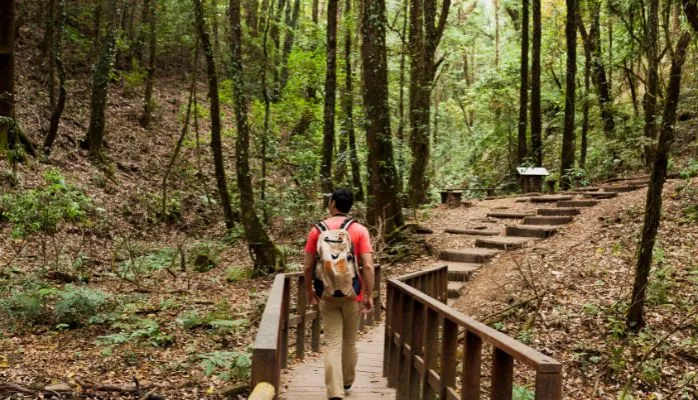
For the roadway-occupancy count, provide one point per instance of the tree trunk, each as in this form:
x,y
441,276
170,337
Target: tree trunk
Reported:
x,y
585,106
536,116
523,89
216,145
599,75
497,41
97,28
425,34
7,75
50,47
251,19
292,26
263,252
653,206
568,137
346,100
384,206
401,102
652,82
316,12
330,95
100,87
152,43
138,48
62,93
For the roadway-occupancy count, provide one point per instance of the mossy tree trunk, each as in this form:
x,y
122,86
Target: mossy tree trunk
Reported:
x,y
653,206
330,98
149,79
100,87
265,255
568,136
522,150
652,81
7,75
216,145
57,111
383,203
536,114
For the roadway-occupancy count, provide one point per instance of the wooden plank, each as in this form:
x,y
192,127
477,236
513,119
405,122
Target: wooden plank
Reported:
x,y
549,386
472,361
417,343
431,352
502,375
285,304
300,326
405,365
449,343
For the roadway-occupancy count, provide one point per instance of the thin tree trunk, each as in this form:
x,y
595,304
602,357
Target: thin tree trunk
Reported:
x,y
599,76
50,47
292,26
653,206
330,97
216,145
138,48
62,93
652,85
401,102
7,75
523,89
536,115
267,112
100,88
149,79
266,257
384,206
346,100
251,7
497,41
585,107
568,137
97,28
316,12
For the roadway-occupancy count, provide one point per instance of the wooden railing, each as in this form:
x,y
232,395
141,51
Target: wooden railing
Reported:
x,y
288,309
422,346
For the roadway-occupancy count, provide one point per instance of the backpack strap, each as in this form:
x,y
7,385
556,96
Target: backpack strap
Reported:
x,y
322,226
347,222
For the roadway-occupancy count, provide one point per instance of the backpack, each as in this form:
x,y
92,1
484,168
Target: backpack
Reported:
x,y
336,270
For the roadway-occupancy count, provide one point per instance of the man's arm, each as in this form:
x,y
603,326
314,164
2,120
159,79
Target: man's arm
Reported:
x,y
369,277
308,266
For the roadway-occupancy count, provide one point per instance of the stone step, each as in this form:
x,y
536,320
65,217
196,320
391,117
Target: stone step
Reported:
x,y
621,189
458,271
507,215
503,242
468,255
483,232
601,195
588,189
550,199
455,289
558,211
577,203
548,220
537,231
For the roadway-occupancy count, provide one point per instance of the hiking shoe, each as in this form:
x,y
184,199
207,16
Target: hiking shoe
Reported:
x,y
347,387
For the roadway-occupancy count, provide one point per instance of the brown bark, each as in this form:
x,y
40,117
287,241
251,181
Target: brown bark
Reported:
x,y
316,12
266,257
690,9
347,102
523,89
330,98
50,47
62,93
653,206
149,79
291,25
384,206
536,115
401,102
216,145
251,19
568,136
425,34
585,106
652,81
7,75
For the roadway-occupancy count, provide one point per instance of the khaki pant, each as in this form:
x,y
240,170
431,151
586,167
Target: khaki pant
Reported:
x,y
341,325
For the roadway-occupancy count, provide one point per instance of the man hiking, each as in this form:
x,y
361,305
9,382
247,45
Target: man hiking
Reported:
x,y
332,254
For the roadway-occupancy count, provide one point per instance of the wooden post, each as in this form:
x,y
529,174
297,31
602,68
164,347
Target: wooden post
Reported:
x,y
416,344
301,308
283,348
387,337
472,360
502,375
448,357
431,352
549,385
396,324
406,335
315,330
377,302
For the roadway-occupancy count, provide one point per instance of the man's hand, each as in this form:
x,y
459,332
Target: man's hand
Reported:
x,y
367,304
313,298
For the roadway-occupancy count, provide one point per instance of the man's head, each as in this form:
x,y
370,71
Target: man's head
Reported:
x,y
341,201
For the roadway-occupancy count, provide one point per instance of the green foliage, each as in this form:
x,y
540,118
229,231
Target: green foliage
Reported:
x,y
25,308
227,364
660,285
236,274
691,170
140,266
134,79
44,208
78,304
522,393
205,256
142,329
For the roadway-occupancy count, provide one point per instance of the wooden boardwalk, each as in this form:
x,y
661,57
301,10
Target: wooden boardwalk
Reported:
x,y
306,380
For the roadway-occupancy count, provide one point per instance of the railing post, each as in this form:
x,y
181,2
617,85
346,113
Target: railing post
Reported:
x,y
265,368
549,385
403,387
431,351
416,345
448,357
301,308
377,298
396,324
502,375
283,346
472,361
388,333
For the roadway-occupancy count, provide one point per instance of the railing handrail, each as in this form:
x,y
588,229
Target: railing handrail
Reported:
x,y
509,345
268,333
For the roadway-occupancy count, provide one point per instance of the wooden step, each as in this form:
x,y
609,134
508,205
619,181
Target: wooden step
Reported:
x,y
559,211
503,242
537,231
588,189
548,220
507,215
458,271
621,189
577,203
468,255
550,199
601,195
483,232
455,289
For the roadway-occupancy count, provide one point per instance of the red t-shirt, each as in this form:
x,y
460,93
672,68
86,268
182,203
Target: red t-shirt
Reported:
x,y
359,237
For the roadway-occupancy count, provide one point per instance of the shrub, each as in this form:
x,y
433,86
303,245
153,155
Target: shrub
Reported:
x,y
229,364
78,305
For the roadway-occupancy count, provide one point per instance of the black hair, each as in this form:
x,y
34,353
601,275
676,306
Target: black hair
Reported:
x,y
343,199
